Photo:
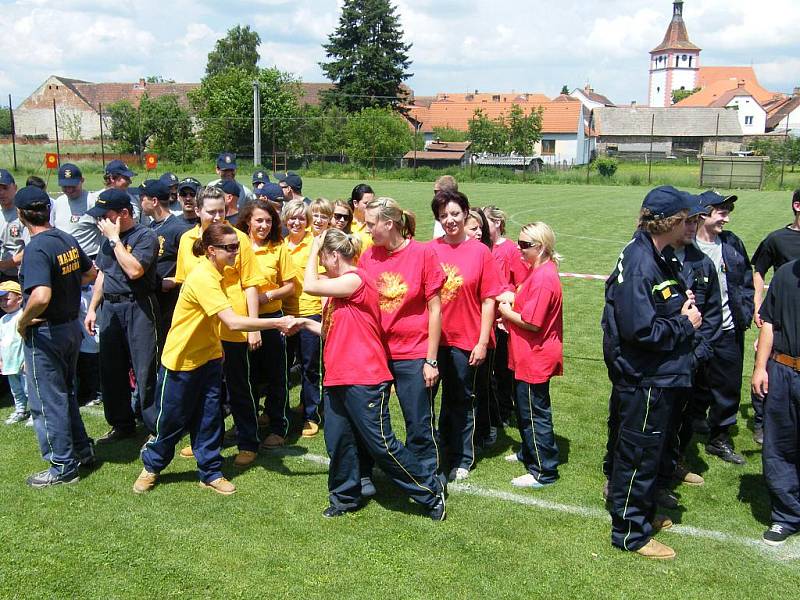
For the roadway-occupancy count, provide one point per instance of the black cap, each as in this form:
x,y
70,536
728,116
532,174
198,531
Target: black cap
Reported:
x,y
230,187
117,167
6,178
260,177
69,174
31,196
712,198
169,179
270,191
292,179
226,161
111,199
190,183
154,188
665,201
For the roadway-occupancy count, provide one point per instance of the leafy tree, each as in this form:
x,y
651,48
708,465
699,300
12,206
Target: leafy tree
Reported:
x,y
678,95
780,149
448,134
319,131
368,58
158,79
71,123
376,132
224,109
5,121
488,135
523,130
565,90
237,50
606,166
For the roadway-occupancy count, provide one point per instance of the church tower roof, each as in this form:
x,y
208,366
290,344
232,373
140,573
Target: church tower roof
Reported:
x,y
676,38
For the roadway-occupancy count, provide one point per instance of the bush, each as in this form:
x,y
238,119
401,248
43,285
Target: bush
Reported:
x,y
606,166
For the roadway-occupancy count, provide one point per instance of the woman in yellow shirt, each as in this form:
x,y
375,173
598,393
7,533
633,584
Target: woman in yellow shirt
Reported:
x,y
189,387
268,364
361,195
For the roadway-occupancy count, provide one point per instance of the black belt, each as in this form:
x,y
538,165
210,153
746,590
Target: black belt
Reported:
x,y
116,298
60,321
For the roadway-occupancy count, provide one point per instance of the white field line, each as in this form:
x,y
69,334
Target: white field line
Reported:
x,y
789,551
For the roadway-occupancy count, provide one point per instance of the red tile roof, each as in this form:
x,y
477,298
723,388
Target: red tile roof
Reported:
x,y
713,89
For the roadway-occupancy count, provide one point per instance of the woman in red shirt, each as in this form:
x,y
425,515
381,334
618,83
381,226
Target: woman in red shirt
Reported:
x,y
408,278
357,381
468,311
534,319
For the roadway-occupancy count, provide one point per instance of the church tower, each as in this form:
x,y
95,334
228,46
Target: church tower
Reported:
x,y
674,62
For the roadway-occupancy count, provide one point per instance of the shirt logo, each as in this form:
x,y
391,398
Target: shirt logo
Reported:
x,y
74,218
228,159
392,290
161,240
67,174
453,283
14,230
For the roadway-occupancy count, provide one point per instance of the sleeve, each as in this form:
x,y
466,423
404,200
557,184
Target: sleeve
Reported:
x,y
748,291
711,328
145,249
491,283
286,268
249,272
537,305
183,250
637,321
768,306
433,274
211,298
86,264
763,258
36,269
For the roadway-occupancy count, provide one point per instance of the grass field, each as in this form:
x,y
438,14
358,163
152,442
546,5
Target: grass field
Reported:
x,y
99,539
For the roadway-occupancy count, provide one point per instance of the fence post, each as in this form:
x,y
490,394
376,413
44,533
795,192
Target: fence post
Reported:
x,y
13,132
785,148
650,163
256,125
58,145
102,137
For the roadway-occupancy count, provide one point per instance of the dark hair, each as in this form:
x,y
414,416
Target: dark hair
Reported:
x,y
214,235
795,198
358,193
444,197
243,222
40,215
36,182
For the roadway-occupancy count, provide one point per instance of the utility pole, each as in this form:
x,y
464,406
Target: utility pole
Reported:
x,y
256,125
13,131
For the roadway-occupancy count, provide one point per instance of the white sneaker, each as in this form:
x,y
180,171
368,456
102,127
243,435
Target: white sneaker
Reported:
x,y
459,474
16,417
29,422
512,458
526,481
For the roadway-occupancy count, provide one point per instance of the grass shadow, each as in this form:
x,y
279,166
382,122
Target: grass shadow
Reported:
x,y
274,461
753,491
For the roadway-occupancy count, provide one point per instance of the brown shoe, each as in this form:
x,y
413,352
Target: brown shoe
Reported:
x,y
684,475
186,452
657,550
272,441
245,458
310,429
145,482
220,485
661,522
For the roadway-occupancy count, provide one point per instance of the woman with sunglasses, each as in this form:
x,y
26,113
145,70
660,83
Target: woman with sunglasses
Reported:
x,y
241,283
269,366
343,219
468,313
190,380
408,278
533,317
358,398
303,348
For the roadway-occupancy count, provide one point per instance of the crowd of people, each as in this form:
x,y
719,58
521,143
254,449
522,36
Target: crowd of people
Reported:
x,y
175,304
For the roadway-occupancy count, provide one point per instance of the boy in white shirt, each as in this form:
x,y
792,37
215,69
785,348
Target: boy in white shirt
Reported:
x,y
12,362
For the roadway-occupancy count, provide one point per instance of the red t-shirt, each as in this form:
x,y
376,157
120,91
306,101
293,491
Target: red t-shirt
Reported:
x,y
472,276
405,281
513,269
536,356
353,352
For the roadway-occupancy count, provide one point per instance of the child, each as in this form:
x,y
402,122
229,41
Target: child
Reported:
x,y
11,359
88,388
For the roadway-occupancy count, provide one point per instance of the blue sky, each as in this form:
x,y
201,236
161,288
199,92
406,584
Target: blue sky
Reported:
x,y
502,45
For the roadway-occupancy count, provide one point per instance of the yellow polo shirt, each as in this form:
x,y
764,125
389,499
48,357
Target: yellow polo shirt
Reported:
x,y
300,304
193,340
243,274
363,233
277,268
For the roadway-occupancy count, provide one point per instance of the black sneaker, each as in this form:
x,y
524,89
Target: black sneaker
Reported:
x,y
758,436
724,450
334,511
115,434
88,460
47,479
367,488
700,426
667,499
438,512
776,535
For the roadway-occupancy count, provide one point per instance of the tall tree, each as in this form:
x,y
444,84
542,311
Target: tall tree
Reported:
x,y
237,50
524,130
368,58
5,121
565,90
377,132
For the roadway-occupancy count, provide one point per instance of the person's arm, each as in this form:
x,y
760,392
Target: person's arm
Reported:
x,y
431,374
478,354
287,289
758,297
253,337
311,325
236,322
509,314
759,383
35,306
314,285
97,298
127,261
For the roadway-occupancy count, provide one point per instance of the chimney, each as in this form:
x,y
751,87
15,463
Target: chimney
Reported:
x,y
588,88
633,103
796,91
740,84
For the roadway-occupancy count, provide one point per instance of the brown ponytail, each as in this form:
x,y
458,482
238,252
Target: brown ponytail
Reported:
x,y
214,235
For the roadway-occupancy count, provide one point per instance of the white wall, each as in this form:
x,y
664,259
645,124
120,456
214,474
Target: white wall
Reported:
x,y
748,107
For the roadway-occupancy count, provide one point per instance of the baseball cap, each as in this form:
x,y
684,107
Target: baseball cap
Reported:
x,y
229,187
155,188
665,201
713,198
189,183
695,205
6,178
30,196
117,167
169,179
226,161
271,191
69,174
10,286
111,199
292,179
260,177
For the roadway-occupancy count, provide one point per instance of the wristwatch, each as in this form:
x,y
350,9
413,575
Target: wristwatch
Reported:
x,y
432,363
112,243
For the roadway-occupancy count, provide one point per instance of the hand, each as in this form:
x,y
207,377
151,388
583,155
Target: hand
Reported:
x,y
478,355
430,375
286,324
109,228
690,310
168,284
690,295
21,327
755,345
759,383
90,321
504,308
757,320
254,340
507,297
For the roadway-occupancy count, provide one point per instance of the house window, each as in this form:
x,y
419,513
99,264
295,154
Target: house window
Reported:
x,y
690,61
496,98
748,120
548,147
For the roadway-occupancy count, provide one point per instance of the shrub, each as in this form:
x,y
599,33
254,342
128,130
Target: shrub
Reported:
x,y
606,166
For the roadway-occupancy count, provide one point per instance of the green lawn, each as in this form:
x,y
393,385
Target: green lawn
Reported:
x,y
99,539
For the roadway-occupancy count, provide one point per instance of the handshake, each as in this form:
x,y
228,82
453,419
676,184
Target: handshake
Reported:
x,y
290,325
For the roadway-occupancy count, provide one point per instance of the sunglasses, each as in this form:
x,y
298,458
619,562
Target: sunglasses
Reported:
x,y
228,247
526,245
189,193
342,216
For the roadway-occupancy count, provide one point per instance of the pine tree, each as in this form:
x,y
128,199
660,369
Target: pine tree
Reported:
x,y
369,59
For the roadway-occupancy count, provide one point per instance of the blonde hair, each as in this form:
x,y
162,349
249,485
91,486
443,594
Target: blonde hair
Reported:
x,y
347,245
294,207
660,226
389,210
496,214
541,233
322,206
